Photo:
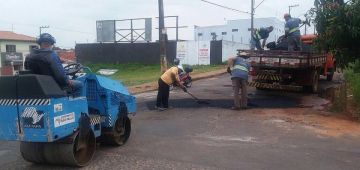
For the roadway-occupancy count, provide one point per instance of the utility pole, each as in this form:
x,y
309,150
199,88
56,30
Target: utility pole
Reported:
x,y
292,6
41,27
252,18
177,28
162,37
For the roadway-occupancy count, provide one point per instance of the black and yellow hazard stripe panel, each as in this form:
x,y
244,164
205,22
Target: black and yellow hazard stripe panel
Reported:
x,y
275,86
273,77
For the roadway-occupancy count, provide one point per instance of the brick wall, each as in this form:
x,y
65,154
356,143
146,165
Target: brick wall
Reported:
x,y
7,70
67,56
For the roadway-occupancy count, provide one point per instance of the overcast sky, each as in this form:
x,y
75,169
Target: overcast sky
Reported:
x,y
73,21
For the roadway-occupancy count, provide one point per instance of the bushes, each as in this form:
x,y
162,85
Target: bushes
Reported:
x,y
337,23
352,76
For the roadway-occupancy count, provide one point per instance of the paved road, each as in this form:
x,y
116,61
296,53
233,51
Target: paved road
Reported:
x,y
281,131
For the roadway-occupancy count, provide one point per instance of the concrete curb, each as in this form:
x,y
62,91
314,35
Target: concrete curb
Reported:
x,y
154,85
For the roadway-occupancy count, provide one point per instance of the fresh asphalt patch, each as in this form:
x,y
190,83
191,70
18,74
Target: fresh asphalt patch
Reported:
x,y
254,102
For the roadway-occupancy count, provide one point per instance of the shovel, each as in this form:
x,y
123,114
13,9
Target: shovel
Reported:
x,y
197,99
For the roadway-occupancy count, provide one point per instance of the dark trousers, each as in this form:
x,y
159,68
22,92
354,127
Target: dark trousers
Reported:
x,y
163,94
255,43
294,43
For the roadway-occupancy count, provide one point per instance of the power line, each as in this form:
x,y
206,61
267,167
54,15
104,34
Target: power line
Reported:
x,y
222,6
259,4
69,30
57,28
30,25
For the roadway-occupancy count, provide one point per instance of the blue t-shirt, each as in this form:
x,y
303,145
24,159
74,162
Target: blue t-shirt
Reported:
x,y
241,69
291,24
264,33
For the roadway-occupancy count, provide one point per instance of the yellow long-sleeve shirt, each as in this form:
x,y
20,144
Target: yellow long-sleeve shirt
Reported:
x,y
171,75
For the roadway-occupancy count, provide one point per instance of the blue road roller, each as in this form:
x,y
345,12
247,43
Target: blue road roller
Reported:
x,y
59,126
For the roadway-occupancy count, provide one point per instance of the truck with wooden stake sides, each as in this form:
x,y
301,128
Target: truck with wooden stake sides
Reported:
x,y
291,71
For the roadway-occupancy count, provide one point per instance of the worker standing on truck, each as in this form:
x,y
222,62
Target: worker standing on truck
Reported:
x,y
170,77
45,61
292,32
260,34
238,67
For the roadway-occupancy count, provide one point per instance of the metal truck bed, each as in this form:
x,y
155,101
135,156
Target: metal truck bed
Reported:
x,y
284,59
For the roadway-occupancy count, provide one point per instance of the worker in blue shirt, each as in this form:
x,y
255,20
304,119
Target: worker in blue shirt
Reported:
x,y
238,67
45,61
260,34
292,32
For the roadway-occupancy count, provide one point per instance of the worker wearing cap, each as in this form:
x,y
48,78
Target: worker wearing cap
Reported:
x,y
292,32
260,34
45,61
238,67
170,77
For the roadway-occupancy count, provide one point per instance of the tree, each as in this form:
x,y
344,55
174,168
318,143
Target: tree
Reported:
x,y
338,26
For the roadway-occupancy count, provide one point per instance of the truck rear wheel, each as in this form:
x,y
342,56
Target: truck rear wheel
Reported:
x,y
315,82
314,87
329,77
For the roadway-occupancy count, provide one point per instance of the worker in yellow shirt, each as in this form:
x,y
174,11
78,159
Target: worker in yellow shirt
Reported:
x,y
170,77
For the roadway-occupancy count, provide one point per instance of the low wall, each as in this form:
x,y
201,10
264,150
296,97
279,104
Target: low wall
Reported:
x,y
122,53
189,52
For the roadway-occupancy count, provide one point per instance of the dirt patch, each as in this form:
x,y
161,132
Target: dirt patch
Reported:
x,y
320,122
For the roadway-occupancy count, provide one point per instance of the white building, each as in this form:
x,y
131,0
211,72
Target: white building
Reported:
x,y
13,49
238,30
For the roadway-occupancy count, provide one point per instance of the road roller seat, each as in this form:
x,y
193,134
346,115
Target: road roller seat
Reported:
x,y
30,86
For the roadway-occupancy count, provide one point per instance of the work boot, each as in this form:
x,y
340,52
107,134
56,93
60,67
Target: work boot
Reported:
x,y
235,108
162,108
245,108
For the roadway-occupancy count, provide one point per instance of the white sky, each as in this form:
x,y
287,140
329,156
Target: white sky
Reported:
x,y
73,21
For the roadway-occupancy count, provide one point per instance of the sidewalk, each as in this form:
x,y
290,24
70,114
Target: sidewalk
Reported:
x,y
154,85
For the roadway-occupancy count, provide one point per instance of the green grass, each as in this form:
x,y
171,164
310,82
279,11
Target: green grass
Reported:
x,y
353,80
206,68
135,74
352,77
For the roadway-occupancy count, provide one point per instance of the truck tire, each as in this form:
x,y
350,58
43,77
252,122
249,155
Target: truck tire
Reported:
x,y
314,87
329,77
315,82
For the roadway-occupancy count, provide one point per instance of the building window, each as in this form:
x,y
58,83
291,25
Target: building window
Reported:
x,y
213,33
10,48
223,33
235,30
200,34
